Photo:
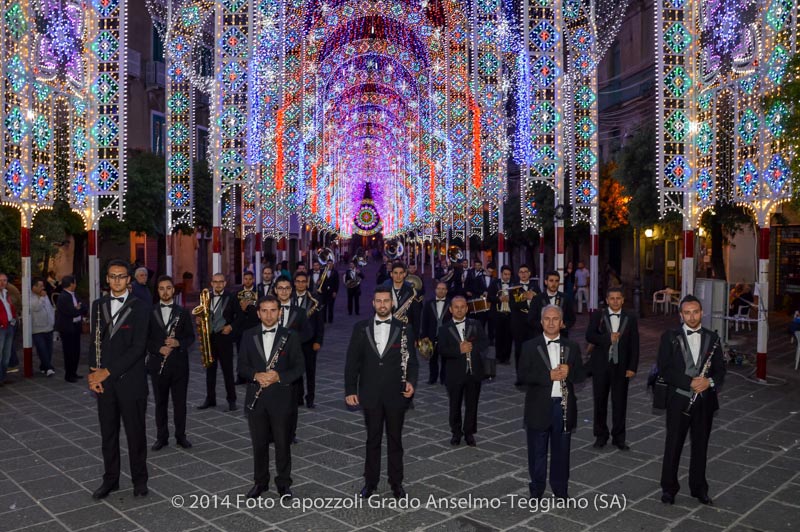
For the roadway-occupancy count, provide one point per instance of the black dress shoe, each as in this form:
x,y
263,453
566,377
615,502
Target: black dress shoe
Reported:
x,y
667,498
183,442
310,405
285,492
231,406
104,489
469,439
256,491
622,447
398,492
207,404
140,491
68,379
599,444
455,440
158,445
705,499
367,491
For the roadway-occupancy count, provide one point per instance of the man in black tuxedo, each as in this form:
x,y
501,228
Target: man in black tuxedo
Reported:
x,y
329,290
435,313
169,337
521,327
248,312
353,294
224,315
380,374
683,356
552,296
501,314
550,364
462,344
292,317
69,316
401,290
615,359
304,300
478,283
267,285
118,378
271,360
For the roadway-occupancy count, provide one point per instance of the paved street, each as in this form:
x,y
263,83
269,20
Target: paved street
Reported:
x,y
50,459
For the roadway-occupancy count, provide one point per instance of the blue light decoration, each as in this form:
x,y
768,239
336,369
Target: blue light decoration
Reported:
x,y
747,179
15,178
105,175
678,171
59,43
42,184
704,186
778,174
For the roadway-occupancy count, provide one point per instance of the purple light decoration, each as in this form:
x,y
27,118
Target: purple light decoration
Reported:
x,y
59,26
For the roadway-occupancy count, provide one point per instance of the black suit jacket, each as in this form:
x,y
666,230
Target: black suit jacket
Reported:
x,y
66,311
478,284
290,365
534,372
298,322
449,347
183,325
414,313
123,345
430,327
331,284
349,275
599,334
270,289
671,366
521,317
230,313
378,380
314,322
541,301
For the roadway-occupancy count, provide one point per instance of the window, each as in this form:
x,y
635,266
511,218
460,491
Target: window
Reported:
x,y
202,143
158,46
157,128
615,65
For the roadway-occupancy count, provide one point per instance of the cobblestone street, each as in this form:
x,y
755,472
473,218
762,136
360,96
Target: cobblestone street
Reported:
x,y
50,460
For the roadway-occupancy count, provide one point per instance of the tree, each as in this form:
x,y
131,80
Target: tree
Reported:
x,y
10,261
613,201
636,172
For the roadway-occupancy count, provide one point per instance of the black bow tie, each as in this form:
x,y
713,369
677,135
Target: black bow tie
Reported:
x,y
690,332
459,322
441,300
120,299
165,306
285,306
269,331
614,314
556,341
385,322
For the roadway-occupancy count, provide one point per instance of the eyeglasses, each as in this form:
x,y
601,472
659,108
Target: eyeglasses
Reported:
x,y
119,277
283,288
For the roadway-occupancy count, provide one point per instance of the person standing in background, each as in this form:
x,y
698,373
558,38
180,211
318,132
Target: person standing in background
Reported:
x,y
581,287
8,323
43,320
69,313
139,286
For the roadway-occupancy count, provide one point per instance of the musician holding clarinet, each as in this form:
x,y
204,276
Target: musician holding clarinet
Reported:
x,y
549,366
270,360
690,360
169,337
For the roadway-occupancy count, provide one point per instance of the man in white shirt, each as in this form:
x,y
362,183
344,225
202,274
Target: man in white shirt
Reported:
x,y
8,323
43,318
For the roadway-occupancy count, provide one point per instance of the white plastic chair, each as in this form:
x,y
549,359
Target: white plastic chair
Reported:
x,y
660,299
797,350
743,318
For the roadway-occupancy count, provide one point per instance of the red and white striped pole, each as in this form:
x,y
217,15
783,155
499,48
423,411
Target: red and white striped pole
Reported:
x,y
763,303
27,336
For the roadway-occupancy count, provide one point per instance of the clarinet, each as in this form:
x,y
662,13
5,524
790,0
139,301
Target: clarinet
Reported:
x,y
98,335
170,335
270,367
704,374
564,393
404,355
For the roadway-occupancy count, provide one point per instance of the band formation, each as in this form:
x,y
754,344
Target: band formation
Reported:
x,y
277,327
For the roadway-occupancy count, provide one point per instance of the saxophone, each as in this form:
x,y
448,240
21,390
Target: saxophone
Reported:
x,y
314,305
564,393
402,312
203,312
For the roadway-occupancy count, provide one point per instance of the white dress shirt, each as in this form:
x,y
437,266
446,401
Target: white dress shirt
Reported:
x,y
268,339
440,308
461,328
116,305
614,318
694,341
285,314
166,312
381,333
554,353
